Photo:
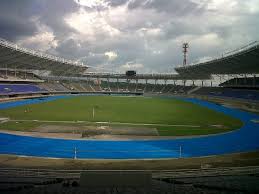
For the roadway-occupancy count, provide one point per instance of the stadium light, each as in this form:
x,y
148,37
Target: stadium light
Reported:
x,y
185,51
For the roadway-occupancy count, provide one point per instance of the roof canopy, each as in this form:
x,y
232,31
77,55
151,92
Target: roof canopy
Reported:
x,y
14,57
241,61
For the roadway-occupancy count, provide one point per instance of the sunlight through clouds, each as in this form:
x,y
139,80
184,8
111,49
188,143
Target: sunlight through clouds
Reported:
x,y
92,3
111,55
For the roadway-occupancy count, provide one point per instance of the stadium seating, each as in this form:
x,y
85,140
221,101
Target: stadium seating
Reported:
x,y
87,86
19,88
128,87
113,86
148,87
9,75
140,87
242,82
229,92
132,86
245,94
51,87
104,86
209,91
92,87
188,185
77,86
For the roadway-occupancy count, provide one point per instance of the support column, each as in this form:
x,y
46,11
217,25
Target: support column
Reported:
x,y
154,86
136,88
145,86
118,84
128,82
108,81
163,88
6,70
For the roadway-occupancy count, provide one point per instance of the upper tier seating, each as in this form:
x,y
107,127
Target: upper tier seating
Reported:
x,y
19,88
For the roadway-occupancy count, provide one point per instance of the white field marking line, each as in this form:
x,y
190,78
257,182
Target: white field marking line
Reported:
x,y
129,96
155,124
117,123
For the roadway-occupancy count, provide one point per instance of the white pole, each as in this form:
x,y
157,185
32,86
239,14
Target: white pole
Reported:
x,y
180,152
75,154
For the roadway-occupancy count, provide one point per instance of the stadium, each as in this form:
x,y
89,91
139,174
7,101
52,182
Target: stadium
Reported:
x,y
66,128
77,116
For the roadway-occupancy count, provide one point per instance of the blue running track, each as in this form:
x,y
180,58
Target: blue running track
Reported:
x,y
241,140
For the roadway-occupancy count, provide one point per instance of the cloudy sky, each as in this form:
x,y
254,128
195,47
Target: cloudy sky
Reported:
x,y
116,35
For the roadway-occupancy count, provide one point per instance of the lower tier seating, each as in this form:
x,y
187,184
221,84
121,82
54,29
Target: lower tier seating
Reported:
x,y
19,88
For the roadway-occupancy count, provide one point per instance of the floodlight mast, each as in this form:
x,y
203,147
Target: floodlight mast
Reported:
x,y
185,51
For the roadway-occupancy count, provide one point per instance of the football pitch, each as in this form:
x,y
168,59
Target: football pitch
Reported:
x,y
170,117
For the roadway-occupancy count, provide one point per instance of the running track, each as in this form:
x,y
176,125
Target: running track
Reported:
x,y
242,140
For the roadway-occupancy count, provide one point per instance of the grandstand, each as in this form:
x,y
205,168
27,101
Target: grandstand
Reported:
x,y
44,74
16,58
230,80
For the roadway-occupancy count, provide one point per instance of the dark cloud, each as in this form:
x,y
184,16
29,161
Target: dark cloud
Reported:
x,y
68,48
15,19
135,4
52,14
12,29
147,32
19,18
115,3
173,7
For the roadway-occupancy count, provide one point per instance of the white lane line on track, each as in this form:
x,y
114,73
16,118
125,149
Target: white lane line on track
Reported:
x,y
104,122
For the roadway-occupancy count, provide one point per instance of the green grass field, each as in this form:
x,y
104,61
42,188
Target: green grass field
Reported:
x,y
163,114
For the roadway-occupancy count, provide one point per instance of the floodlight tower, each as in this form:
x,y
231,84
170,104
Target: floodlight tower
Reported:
x,y
185,51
